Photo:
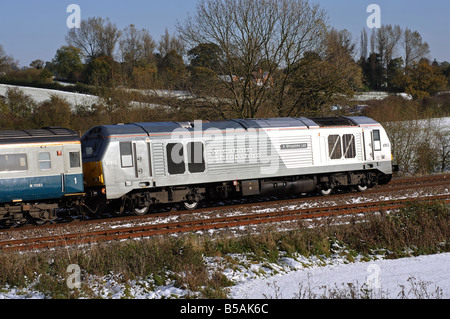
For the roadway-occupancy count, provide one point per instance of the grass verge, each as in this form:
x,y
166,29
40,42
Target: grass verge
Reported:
x,y
180,261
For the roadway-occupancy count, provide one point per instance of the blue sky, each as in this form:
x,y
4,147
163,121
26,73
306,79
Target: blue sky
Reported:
x,y
31,29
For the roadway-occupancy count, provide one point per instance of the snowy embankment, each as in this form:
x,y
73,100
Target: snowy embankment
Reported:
x,y
41,95
414,277
424,277
79,99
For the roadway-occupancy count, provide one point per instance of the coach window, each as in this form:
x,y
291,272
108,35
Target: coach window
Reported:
x,y
45,161
126,154
13,162
348,141
74,159
175,158
334,146
196,160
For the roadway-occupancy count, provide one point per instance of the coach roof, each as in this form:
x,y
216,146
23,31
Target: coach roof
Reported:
x,y
45,135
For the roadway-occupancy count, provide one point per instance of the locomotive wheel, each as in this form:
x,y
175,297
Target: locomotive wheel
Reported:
x,y
361,188
190,205
326,192
141,211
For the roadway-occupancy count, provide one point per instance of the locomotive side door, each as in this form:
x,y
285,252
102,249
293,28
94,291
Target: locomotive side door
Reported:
x,y
372,142
376,138
368,145
142,159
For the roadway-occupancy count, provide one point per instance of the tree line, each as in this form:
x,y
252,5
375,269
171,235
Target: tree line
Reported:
x,y
398,61
242,58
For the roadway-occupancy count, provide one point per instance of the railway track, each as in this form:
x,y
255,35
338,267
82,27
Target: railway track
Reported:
x,y
90,237
419,181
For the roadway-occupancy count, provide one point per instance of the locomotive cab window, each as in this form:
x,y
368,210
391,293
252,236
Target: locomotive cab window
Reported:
x,y
126,154
196,159
348,141
91,146
45,161
334,146
175,158
13,163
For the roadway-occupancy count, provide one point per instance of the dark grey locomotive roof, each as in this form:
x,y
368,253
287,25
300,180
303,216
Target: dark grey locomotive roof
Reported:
x,y
244,124
50,134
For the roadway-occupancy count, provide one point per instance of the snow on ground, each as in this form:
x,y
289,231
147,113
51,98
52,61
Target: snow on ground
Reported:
x,y
77,99
426,277
366,96
386,278
41,95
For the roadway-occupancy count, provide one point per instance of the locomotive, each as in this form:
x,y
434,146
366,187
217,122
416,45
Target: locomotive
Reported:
x,y
134,167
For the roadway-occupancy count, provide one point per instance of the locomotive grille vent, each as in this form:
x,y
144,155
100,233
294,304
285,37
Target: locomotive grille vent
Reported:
x,y
159,159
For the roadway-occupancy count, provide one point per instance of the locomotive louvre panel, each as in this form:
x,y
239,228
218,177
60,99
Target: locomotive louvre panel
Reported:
x,y
296,151
359,147
159,163
235,153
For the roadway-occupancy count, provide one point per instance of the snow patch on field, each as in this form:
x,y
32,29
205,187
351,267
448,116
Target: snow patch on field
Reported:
x,y
293,277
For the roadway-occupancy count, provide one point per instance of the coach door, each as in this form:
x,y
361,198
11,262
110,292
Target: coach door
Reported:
x,y
72,178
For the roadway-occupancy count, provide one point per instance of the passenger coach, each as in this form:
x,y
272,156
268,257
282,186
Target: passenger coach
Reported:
x,y
38,170
134,166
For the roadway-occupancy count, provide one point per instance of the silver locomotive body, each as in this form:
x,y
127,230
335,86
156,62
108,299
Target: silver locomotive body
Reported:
x,y
140,164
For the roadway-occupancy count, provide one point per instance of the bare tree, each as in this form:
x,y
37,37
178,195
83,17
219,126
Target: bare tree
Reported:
x,y
443,146
136,45
260,41
170,43
372,41
364,44
394,34
415,48
387,38
7,63
109,37
95,37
